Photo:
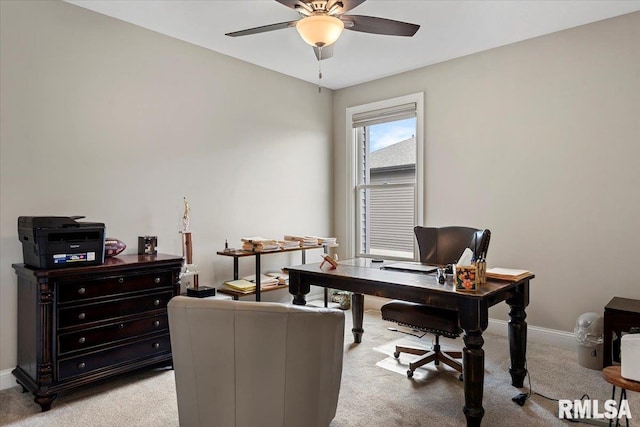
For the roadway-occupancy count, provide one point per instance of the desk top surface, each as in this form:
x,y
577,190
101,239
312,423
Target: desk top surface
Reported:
x,y
623,304
364,269
119,261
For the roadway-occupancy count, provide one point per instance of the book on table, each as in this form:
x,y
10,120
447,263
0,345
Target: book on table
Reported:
x,y
511,274
289,244
239,285
259,244
281,276
265,280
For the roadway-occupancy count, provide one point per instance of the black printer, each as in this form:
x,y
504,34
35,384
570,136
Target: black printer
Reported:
x,y
60,241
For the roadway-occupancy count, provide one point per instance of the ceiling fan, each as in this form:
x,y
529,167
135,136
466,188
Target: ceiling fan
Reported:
x,y
322,21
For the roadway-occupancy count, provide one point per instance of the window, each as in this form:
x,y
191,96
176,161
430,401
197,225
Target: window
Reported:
x,y
386,143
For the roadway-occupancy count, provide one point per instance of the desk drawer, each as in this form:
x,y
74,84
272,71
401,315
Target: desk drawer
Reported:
x,y
104,335
85,290
101,312
90,362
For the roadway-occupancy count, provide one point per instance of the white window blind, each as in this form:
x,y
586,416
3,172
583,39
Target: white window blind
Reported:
x,y
384,115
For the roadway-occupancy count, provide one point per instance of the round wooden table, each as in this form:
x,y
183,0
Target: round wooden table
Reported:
x,y
612,376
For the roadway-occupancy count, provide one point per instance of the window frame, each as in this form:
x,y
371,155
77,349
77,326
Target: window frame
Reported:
x,y
353,144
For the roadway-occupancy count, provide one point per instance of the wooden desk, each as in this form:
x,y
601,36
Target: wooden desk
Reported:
x,y
361,276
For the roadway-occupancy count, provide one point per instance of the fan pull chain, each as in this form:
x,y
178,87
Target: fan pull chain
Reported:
x,y
320,69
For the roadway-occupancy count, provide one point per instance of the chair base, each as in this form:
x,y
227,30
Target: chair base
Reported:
x,y
434,355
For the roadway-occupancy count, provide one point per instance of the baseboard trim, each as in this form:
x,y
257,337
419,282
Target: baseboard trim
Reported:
x,y
552,337
7,380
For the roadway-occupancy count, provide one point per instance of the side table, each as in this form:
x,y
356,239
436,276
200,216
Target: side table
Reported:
x,y
620,315
612,376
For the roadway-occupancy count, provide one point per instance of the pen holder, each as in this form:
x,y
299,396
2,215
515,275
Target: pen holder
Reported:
x,y
482,271
466,278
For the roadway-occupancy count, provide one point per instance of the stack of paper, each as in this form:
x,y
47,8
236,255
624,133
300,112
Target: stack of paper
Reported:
x,y
265,281
283,278
329,241
507,274
259,244
240,285
289,244
305,241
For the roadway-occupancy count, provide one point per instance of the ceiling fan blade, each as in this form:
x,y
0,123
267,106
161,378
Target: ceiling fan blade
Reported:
x,y
373,25
262,29
327,52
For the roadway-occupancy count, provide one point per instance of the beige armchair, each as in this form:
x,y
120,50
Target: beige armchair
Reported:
x,y
250,364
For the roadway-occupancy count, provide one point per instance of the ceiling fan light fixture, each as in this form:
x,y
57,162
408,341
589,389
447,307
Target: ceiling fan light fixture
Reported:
x,y
320,30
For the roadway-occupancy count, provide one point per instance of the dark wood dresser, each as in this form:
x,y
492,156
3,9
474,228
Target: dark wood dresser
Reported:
x,y
80,325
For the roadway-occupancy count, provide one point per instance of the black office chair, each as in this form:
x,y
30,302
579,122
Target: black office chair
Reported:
x,y
437,246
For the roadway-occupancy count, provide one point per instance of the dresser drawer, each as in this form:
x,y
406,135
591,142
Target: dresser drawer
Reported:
x,y
90,362
114,332
104,311
115,285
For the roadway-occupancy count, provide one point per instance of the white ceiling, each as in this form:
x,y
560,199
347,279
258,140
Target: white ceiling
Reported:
x,y
449,29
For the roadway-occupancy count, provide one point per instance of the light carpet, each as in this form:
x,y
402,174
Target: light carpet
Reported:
x,y
375,390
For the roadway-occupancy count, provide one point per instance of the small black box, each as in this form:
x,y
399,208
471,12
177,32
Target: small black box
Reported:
x,y
60,241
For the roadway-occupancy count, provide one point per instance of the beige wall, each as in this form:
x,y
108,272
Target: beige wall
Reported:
x,y
104,119
540,142
108,120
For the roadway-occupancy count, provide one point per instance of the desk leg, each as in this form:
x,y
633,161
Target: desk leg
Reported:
x,y
298,289
518,334
357,314
473,320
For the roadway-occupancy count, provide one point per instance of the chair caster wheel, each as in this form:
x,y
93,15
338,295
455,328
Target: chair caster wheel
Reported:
x,y
409,373
460,377
396,354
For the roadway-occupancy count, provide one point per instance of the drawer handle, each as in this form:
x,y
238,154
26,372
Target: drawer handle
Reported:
x,y
82,340
156,302
156,280
156,345
121,280
121,326
81,316
81,365
156,323
81,291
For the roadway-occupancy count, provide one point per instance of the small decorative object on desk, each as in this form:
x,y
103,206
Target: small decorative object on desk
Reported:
x,y
466,278
147,245
113,246
331,262
227,249
465,273
189,273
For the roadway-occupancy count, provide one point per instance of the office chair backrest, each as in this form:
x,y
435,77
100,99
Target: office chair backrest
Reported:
x,y
444,245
